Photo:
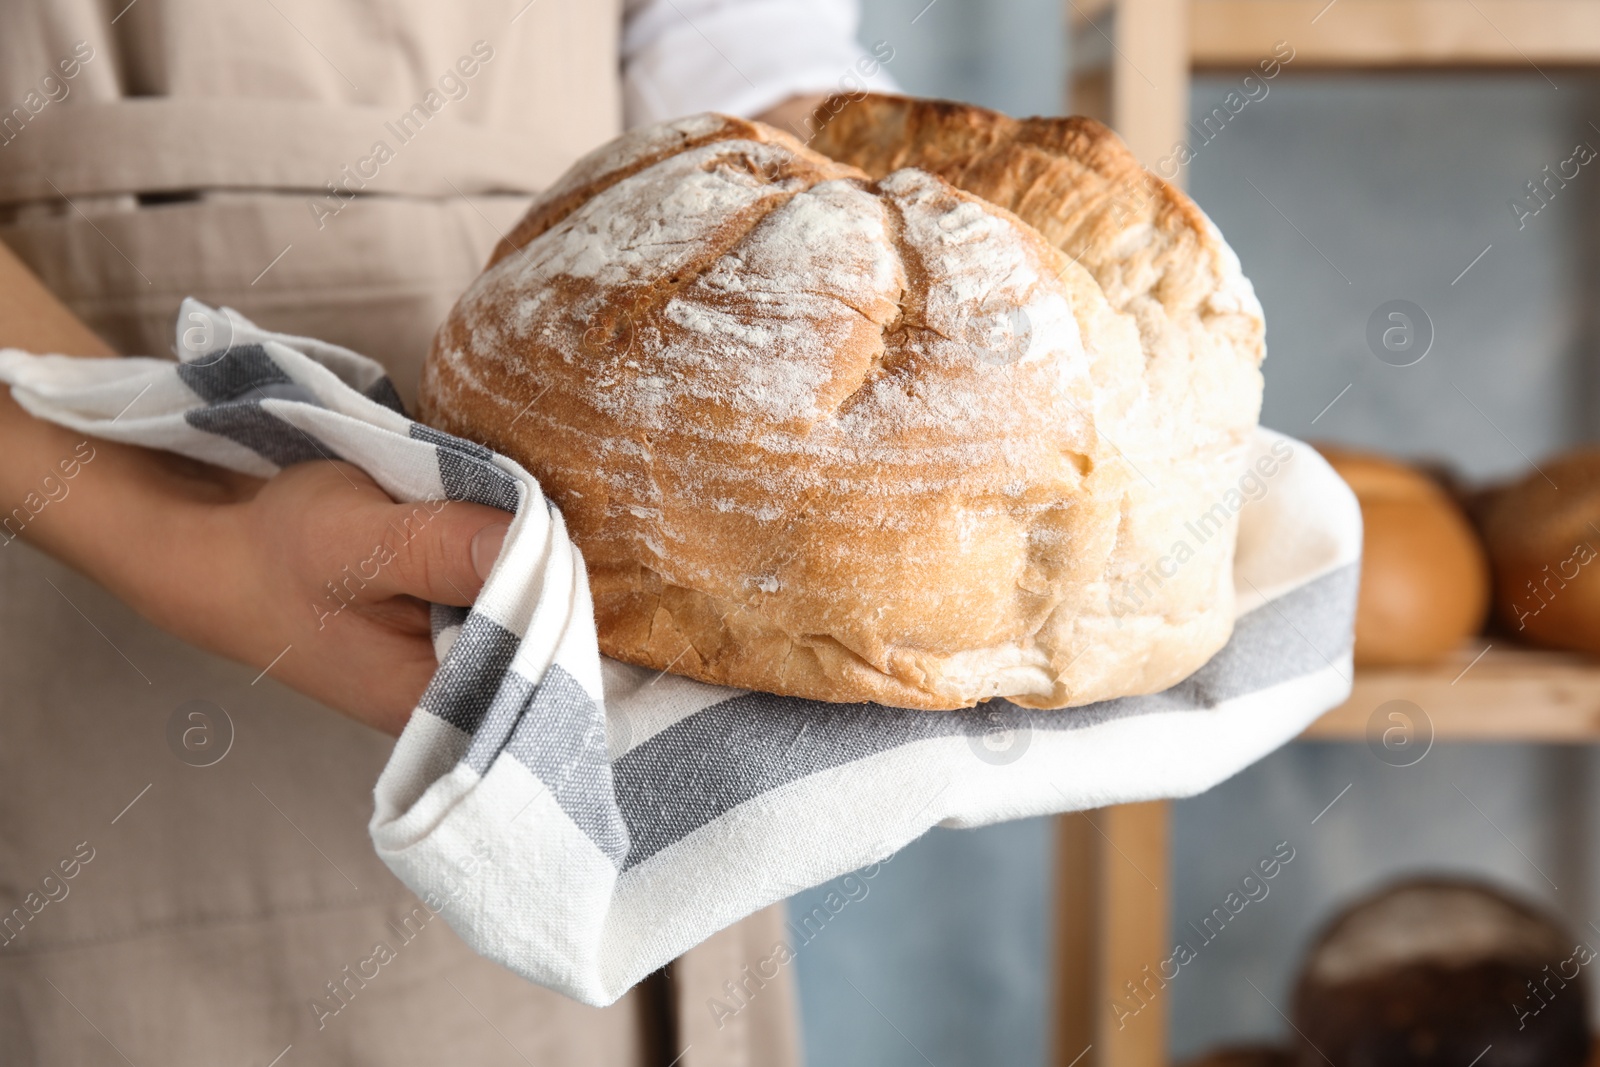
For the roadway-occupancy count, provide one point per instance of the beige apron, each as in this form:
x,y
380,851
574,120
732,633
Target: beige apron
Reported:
x,y
209,910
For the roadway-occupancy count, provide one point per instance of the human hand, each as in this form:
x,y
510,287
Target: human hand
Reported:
x,y
314,575
319,574
241,566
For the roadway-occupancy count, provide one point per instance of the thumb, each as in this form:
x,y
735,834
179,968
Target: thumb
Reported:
x,y
440,550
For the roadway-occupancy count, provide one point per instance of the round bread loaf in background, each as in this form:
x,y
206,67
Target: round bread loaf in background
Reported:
x,y
1436,971
1424,576
855,437
1543,543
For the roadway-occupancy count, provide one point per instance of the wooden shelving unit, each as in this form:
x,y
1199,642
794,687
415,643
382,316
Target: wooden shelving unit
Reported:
x,y
1363,34
1498,693
1131,65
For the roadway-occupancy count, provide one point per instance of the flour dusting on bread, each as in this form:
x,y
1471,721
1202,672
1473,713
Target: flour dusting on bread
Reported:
x,y
835,434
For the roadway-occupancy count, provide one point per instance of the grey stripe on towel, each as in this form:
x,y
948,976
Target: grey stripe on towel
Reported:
x,y
721,756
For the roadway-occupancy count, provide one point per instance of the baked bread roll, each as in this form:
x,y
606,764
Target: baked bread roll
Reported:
x,y
1434,971
862,437
1543,544
1424,576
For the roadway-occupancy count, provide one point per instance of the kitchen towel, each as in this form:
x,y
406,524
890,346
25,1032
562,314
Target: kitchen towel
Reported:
x,y
583,821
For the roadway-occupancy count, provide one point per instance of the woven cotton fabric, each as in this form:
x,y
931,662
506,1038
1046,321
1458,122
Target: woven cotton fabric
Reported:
x,y
625,814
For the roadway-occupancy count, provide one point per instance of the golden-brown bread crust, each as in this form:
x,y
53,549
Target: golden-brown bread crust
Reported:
x,y
1424,574
1543,545
1151,248
836,438
1155,255
622,157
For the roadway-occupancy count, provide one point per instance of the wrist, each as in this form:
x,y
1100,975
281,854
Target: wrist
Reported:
x,y
181,557
141,523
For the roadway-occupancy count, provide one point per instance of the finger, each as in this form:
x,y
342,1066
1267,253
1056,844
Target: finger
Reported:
x,y
375,675
440,551
387,705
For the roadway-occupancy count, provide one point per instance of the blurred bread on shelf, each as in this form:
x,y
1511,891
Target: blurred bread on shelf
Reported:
x,y
1424,576
1543,542
1434,971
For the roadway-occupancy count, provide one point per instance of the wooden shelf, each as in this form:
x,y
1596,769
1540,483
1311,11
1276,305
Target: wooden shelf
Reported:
x,y
1510,694
1130,67
1396,33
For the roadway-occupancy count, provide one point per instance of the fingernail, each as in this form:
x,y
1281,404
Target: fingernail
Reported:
x,y
486,547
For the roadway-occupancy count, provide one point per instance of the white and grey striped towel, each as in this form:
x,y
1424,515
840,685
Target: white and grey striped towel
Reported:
x,y
583,821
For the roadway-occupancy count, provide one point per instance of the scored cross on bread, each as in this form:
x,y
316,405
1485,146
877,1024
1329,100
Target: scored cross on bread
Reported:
x,y
850,435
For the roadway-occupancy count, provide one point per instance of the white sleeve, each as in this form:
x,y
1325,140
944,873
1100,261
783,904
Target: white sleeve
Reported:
x,y
740,56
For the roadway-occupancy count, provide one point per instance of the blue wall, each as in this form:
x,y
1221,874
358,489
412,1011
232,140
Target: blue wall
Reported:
x,y
946,956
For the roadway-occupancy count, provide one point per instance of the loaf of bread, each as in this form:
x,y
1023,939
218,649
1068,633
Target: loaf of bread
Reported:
x,y
1436,971
1543,535
1424,576
915,430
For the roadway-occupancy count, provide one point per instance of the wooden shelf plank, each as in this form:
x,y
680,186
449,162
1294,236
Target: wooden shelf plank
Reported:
x,y
1510,694
1111,929
1396,33
1149,98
